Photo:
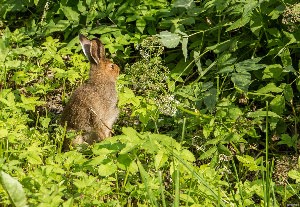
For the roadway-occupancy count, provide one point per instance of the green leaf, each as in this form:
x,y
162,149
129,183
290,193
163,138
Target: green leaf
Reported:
x,y
223,150
239,23
187,155
160,159
14,190
70,13
197,61
257,114
61,25
274,14
288,93
107,169
272,71
288,140
249,162
271,87
241,80
210,98
294,174
256,24
249,65
209,153
141,24
69,202
188,4
277,105
168,39
3,133
184,47
285,56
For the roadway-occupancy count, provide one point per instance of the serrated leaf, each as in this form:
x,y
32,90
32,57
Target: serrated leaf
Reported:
x,y
288,140
209,153
187,155
168,39
14,190
249,162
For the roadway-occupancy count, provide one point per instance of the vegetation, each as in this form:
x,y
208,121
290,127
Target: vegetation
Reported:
x,y
208,97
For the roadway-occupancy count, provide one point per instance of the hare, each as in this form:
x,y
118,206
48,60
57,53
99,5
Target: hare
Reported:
x,y
92,107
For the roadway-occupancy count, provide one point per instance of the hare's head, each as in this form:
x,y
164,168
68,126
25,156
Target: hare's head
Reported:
x,y
100,66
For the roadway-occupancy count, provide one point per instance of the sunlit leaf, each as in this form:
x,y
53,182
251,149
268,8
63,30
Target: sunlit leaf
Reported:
x,y
168,39
14,190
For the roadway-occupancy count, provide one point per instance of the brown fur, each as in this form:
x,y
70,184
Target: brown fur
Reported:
x,y
92,108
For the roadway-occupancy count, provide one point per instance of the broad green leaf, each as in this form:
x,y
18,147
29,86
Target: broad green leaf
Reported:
x,y
274,14
239,23
288,140
188,4
107,169
70,13
124,161
295,174
272,71
249,65
209,153
256,24
285,56
61,25
168,39
141,24
223,150
14,190
210,98
69,202
277,105
288,93
271,87
187,155
160,159
257,114
249,162
3,133
241,80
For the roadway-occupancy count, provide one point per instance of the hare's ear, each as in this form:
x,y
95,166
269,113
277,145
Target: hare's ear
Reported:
x,y
97,51
86,45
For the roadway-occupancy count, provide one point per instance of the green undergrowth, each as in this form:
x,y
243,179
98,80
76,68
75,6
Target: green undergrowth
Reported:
x,y
208,95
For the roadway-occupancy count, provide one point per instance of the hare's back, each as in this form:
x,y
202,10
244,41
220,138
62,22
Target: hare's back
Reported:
x,y
78,111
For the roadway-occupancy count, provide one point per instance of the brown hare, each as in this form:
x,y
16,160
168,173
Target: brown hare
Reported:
x,y
92,107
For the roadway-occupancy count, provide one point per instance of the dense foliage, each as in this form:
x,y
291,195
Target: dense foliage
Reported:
x,y
208,94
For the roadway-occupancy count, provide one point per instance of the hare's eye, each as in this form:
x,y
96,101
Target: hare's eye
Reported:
x,y
112,66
